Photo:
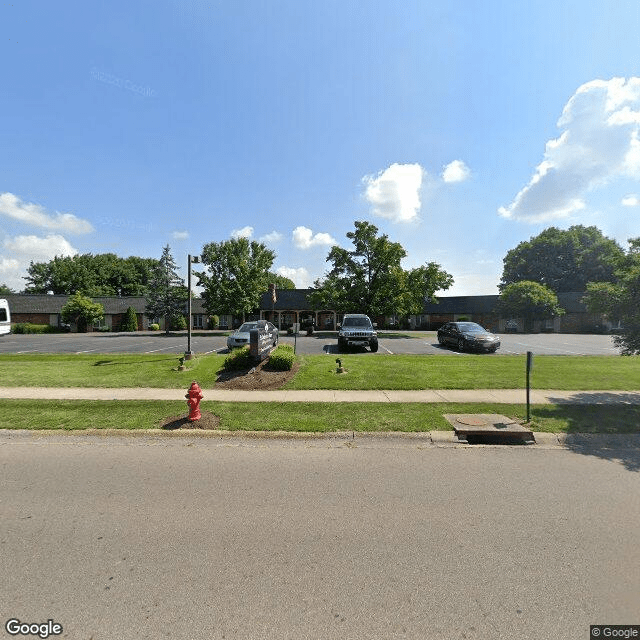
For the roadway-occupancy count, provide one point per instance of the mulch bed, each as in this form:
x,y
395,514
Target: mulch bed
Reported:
x,y
261,377
208,421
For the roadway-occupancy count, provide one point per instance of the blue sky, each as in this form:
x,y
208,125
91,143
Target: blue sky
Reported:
x,y
458,128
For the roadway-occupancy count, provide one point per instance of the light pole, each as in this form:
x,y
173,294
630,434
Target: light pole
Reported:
x,y
188,354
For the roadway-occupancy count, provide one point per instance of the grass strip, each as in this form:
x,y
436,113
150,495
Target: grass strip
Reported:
x,y
308,417
364,371
107,370
395,372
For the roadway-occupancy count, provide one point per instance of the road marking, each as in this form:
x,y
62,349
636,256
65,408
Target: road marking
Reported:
x,y
387,350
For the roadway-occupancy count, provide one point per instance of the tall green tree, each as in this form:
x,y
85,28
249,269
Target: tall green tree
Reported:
x,y
370,279
82,311
529,300
167,297
563,260
103,274
236,277
280,281
619,300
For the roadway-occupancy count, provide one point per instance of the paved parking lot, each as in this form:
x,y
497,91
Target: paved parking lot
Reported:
x,y
419,343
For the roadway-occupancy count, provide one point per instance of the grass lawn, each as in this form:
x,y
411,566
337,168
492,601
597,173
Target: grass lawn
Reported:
x,y
107,370
467,372
364,371
307,417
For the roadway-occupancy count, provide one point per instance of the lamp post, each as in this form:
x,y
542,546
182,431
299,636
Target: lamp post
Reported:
x,y
188,354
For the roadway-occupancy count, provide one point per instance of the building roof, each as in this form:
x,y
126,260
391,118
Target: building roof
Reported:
x,y
42,303
287,300
571,301
462,304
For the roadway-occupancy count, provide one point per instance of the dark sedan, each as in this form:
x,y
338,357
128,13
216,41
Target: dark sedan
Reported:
x,y
468,336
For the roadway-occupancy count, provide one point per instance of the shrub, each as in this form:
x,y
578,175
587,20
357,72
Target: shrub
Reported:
x,y
154,327
83,311
129,321
238,359
214,322
178,323
28,327
282,358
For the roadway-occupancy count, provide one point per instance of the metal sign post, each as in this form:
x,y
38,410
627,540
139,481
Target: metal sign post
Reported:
x,y
529,368
296,328
188,353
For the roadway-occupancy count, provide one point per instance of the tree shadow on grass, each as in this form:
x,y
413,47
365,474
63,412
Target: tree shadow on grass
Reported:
x,y
103,363
609,430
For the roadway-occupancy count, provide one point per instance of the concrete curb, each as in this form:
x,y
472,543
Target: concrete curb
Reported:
x,y
560,441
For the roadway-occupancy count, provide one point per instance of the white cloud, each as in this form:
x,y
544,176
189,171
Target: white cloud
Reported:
x,y
22,250
456,171
271,238
599,142
34,214
395,192
632,200
245,232
8,264
180,235
39,249
300,276
304,238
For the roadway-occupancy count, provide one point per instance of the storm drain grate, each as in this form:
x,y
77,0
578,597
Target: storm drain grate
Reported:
x,y
489,429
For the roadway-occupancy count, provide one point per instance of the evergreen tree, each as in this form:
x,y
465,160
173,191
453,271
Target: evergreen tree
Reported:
x,y
130,321
167,297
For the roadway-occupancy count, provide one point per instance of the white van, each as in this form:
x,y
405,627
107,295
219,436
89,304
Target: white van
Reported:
x,y
5,317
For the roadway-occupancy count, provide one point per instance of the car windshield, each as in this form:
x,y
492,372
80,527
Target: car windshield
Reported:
x,y
356,322
471,327
247,326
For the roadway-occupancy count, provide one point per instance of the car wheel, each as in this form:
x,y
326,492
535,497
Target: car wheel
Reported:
x,y
373,346
461,345
341,345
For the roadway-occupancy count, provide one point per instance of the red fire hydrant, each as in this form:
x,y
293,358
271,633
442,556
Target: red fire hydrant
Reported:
x,y
194,395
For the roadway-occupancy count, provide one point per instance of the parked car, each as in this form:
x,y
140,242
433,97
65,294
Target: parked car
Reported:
x,y
511,326
357,330
468,336
240,337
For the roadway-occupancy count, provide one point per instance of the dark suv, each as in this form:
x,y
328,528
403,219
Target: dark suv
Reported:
x,y
357,330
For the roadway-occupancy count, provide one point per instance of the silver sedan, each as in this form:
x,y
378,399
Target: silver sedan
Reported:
x,y
240,337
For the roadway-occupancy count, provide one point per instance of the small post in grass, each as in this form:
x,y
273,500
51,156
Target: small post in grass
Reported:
x,y
529,368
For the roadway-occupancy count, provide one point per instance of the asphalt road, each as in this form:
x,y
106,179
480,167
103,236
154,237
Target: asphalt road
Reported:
x,y
190,538
417,343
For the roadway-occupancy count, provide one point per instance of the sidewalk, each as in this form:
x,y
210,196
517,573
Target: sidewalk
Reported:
x,y
498,396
